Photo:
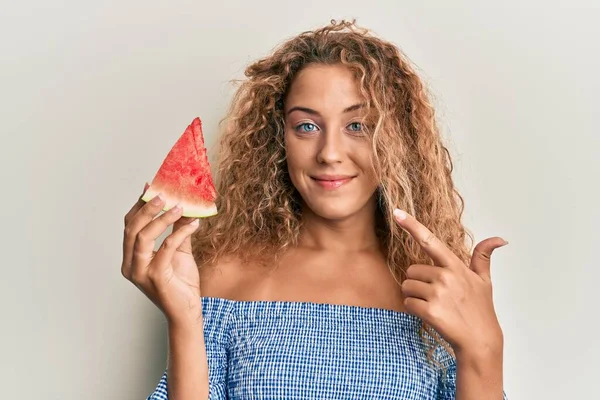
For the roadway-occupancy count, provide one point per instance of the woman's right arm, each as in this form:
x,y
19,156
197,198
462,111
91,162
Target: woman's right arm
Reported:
x,y
169,278
187,366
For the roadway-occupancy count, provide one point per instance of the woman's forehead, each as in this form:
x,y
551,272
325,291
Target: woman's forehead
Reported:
x,y
331,87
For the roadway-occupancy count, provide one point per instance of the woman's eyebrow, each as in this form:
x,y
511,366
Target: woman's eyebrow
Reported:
x,y
304,109
314,112
354,107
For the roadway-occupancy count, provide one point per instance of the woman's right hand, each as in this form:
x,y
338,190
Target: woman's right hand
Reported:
x,y
168,277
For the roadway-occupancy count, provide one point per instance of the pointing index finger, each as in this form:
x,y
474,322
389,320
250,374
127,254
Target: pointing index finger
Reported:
x,y
431,244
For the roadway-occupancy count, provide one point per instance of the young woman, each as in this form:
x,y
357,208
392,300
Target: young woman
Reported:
x,y
337,267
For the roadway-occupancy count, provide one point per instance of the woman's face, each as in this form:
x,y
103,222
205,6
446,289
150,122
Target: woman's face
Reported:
x,y
328,155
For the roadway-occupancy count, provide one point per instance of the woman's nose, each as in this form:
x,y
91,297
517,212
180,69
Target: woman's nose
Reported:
x,y
331,147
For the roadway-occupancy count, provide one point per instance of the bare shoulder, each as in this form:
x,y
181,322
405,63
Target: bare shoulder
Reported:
x,y
230,278
221,279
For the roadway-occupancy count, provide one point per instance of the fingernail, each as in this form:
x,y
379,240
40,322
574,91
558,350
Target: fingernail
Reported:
x,y
399,214
176,208
195,222
157,199
505,242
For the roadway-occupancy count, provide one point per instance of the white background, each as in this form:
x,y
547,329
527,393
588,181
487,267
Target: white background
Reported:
x,y
93,94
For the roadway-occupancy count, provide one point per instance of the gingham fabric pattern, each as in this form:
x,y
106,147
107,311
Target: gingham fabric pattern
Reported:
x,y
298,350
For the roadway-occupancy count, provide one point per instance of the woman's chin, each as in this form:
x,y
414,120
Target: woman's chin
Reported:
x,y
334,212
337,209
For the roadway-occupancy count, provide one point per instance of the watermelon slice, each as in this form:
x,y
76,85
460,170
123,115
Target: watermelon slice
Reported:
x,y
184,176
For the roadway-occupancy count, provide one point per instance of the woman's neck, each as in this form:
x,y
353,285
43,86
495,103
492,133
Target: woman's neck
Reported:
x,y
356,232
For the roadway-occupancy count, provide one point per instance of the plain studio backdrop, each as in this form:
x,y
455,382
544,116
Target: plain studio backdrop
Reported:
x,y
93,95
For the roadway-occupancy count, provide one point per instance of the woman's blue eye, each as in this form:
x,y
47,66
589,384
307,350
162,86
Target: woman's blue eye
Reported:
x,y
355,126
306,127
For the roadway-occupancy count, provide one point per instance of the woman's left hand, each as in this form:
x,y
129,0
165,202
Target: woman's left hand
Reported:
x,y
453,298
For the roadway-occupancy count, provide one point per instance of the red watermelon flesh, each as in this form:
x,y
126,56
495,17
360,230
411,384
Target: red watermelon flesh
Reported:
x,y
185,177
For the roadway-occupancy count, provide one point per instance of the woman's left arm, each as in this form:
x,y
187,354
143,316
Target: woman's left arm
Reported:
x,y
456,300
479,376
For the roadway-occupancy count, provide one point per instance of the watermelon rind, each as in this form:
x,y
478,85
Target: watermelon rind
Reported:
x,y
192,210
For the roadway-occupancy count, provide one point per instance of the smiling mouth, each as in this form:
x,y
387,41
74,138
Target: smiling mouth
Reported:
x,y
332,184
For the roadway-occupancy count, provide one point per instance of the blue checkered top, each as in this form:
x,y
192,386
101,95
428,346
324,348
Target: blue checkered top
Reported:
x,y
299,350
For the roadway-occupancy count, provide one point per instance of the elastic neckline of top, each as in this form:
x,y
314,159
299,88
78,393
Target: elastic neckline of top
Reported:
x,y
314,305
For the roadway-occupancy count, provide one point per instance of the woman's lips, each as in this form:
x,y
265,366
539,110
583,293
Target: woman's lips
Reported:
x,y
331,184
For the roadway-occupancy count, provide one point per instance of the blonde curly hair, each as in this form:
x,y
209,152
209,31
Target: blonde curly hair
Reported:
x,y
259,208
